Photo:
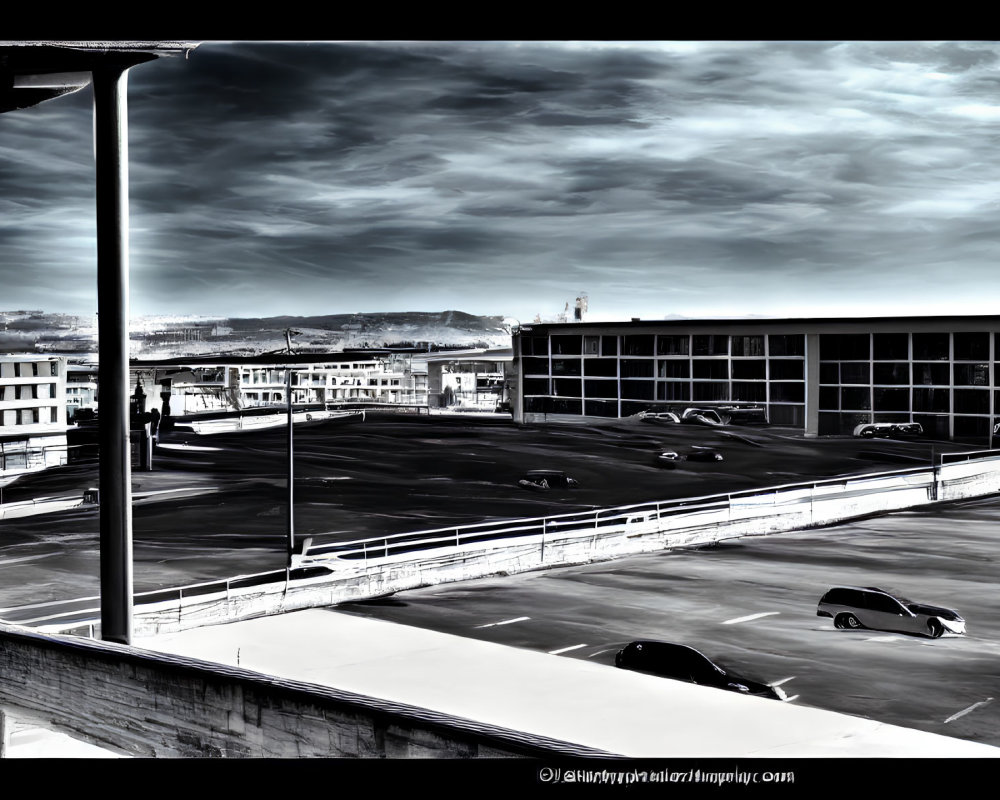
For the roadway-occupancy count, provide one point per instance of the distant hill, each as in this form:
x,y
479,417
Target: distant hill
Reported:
x,y
164,336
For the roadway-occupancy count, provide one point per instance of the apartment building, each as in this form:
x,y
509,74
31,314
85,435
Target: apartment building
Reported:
x,y
32,413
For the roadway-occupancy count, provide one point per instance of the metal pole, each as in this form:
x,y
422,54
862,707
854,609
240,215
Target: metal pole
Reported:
x,y
111,157
291,471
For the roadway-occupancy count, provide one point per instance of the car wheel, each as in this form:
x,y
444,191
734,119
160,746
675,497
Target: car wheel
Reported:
x,y
935,629
848,621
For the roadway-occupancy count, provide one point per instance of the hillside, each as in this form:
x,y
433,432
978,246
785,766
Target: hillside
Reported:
x,y
163,336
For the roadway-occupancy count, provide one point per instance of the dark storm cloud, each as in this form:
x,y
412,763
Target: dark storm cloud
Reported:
x,y
674,177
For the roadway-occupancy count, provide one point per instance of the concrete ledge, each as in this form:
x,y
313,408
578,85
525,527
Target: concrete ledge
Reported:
x,y
567,699
144,703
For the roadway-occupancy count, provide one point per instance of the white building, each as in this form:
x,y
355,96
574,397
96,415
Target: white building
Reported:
x,y
81,389
32,413
332,379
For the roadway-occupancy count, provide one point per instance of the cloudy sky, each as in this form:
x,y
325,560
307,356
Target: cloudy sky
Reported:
x,y
665,178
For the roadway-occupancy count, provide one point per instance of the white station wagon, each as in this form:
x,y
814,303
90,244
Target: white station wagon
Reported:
x,y
869,607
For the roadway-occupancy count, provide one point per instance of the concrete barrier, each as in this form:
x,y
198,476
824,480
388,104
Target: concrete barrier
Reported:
x,y
332,574
141,703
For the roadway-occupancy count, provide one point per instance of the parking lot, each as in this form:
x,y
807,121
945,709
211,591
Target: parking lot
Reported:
x,y
751,605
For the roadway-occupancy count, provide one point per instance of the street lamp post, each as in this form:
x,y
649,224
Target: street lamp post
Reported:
x,y
291,466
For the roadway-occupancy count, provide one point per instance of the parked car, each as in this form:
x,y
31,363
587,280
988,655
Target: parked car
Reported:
x,y
668,459
682,663
868,430
704,454
546,479
702,416
870,607
659,416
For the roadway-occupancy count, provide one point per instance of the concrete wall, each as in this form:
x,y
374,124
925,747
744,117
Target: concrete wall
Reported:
x,y
150,704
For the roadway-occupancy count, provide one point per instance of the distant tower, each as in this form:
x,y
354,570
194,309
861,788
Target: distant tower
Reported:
x,y
581,307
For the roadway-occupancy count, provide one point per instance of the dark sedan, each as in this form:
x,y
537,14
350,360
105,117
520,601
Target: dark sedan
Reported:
x,y
683,663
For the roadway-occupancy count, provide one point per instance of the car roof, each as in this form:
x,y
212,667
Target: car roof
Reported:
x,y
673,645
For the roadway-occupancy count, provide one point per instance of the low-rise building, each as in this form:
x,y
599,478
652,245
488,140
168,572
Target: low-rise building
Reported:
x,y
823,376
32,413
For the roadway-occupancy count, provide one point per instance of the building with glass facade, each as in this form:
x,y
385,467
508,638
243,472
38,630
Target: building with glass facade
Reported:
x,y
824,376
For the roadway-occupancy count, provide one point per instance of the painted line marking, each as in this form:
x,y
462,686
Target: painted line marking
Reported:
x,y
750,617
884,639
566,649
503,622
783,680
973,707
601,652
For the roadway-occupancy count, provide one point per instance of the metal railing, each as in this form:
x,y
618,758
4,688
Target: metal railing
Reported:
x,y
622,522
592,520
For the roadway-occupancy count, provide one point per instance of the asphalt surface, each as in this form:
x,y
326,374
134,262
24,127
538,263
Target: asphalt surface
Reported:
x,y
218,507
750,605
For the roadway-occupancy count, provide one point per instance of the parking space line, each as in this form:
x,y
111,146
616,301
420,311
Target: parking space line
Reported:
x,y
750,617
965,711
601,652
503,622
783,680
566,649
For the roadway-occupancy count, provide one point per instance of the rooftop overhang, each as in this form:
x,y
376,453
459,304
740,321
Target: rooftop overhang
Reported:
x,y
33,72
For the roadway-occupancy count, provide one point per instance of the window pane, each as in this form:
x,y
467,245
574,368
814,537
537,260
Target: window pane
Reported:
x,y
930,347
936,400
673,391
637,368
786,344
750,392
674,369
854,373
711,391
748,345
972,401
600,408
566,345
567,387
750,370
786,370
786,415
706,345
931,374
601,388
672,345
891,346
891,373
829,398
601,367
858,399
711,369
637,345
972,374
829,373
844,347
566,366
639,390
972,346
892,399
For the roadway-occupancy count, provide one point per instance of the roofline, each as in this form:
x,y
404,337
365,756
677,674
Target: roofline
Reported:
x,y
729,321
